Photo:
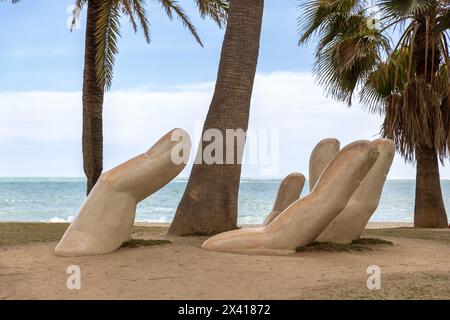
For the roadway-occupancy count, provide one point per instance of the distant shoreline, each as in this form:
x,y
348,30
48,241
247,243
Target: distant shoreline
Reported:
x,y
370,225
185,178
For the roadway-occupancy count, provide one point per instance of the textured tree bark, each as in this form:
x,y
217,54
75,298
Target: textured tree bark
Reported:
x,y
429,210
209,204
92,104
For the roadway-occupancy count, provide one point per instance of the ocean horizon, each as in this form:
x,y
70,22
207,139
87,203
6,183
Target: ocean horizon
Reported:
x,y
57,199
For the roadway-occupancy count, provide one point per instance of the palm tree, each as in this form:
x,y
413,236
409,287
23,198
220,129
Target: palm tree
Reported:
x,y
406,80
102,33
209,203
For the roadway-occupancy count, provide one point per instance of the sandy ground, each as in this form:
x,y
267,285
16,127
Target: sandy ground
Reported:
x,y
417,266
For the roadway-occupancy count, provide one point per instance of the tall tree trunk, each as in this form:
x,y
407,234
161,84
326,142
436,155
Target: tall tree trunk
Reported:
x,y
92,104
210,201
429,210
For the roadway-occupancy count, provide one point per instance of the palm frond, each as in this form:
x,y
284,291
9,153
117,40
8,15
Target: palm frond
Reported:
x,y
127,10
415,118
388,78
108,26
339,27
443,22
442,80
344,63
80,3
140,12
173,8
402,8
315,14
409,85
78,6
136,12
217,10
107,34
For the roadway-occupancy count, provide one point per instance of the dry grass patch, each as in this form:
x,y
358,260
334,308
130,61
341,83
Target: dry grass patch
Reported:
x,y
409,286
359,245
15,233
136,243
440,235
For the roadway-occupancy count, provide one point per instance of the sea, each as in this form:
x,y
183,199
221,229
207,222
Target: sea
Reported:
x,y
58,200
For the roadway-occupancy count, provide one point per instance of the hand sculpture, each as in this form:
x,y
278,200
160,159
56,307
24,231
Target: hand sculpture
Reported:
x,y
303,221
350,223
288,192
106,218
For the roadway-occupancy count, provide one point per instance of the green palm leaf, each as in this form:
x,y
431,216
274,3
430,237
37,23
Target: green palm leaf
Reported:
x,y
388,78
107,34
108,25
79,4
317,14
140,12
173,8
127,9
401,8
410,85
215,9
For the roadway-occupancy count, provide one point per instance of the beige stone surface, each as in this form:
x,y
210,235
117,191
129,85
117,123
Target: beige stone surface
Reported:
x,y
105,219
289,191
320,157
350,223
304,220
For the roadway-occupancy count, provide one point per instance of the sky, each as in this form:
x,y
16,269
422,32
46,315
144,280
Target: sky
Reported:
x,y
157,87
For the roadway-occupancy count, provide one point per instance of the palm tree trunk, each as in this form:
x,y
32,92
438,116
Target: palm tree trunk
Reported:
x,y
429,210
92,104
210,201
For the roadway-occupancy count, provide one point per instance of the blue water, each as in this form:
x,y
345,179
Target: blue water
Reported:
x,y
58,199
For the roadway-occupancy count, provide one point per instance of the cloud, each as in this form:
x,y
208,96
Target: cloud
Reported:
x,y
45,127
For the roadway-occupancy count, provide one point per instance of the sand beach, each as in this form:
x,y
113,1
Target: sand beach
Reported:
x,y
414,264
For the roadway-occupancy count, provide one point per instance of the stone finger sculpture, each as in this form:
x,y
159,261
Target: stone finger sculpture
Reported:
x,y
288,192
301,223
350,223
106,218
320,157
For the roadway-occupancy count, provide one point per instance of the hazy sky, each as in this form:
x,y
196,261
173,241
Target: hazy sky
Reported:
x,y
157,87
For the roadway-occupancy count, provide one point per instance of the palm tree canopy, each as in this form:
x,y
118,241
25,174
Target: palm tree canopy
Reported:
x,y
395,54
108,25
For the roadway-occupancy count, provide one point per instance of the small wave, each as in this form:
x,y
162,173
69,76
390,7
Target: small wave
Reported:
x,y
147,208
161,219
59,220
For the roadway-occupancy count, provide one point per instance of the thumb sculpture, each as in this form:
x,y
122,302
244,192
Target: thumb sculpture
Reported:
x,y
106,218
350,223
288,192
305,219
